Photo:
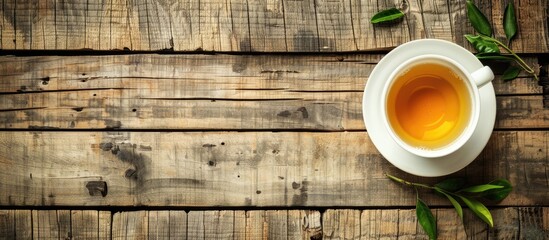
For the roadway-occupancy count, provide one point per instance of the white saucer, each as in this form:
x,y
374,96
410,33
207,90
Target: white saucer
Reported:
x,y
428,167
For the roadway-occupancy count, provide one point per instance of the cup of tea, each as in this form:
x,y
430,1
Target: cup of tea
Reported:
x,y
431,104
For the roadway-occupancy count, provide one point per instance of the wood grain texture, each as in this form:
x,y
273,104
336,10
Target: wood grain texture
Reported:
x,y
509,223
341,224
243,26
211,225
239,169
132,225
170,224
7,224
51,224
90,224
16,224
222,92
378,224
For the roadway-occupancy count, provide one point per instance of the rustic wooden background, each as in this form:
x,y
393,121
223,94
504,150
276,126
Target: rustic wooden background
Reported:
x,y
239,119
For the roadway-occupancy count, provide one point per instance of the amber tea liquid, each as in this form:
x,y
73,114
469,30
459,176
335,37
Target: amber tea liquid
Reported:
x,y
428,105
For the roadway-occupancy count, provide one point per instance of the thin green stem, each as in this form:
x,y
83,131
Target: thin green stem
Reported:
x,y
519,60
528,69
447,192
412,184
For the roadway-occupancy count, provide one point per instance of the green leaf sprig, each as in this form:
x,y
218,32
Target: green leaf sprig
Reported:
x,y
456,191
489,47
387,15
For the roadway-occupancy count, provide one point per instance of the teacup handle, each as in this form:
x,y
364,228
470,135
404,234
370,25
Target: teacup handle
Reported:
x,y
482,76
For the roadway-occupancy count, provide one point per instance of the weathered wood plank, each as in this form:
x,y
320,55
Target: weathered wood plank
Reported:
x,y
378,224
167,224
474,227
211,225
132,225
7,224
341,224
105,225
451,226
217,92
195,228
531,223
238,169
51,224
15,224
240,224
241,72
255,225
273,26
268,224
90,224
304,224
218,225
335,26
85,224
159,227
408,228
506,224
83,110
509,223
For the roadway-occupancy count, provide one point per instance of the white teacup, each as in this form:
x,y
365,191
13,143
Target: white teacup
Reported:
x,y
431,104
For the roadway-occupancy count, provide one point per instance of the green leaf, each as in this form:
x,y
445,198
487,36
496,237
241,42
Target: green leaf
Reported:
x,y
451,184
482,45
511,73
500,193
510,21
479,209
480,188
387,15
454,202
494,56
426,219
478,20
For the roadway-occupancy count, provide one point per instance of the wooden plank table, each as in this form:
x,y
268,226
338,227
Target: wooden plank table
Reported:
x,y
239,119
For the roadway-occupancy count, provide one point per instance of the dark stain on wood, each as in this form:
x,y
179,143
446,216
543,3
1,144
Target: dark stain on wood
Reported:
x,y
97,188
258,192
212,163
34,127
247,201
111,124
301,198
306,40
127,153
45,80
317,236
208,145
279,71
295,185
106,146
285,113
240,66
145,148
246,45
130,173
22,89
544,83
304,112
78,109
